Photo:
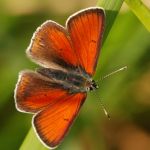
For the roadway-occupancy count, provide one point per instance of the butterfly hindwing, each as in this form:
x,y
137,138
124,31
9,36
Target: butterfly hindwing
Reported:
x,y
52,123
51,47
34,92
86,29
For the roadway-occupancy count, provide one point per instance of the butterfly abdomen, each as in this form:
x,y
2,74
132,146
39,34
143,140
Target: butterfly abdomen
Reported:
x,y
52,73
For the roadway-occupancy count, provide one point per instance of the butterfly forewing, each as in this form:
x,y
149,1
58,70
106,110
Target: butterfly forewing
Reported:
x,y
86,30
53,122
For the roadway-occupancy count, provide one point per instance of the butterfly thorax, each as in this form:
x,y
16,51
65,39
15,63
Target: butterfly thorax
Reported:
x,y
72,80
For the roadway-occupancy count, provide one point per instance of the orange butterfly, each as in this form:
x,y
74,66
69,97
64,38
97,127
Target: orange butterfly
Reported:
x,y
68,56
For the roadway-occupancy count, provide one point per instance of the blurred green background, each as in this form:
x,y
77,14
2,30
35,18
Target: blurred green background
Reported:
x,y
125,95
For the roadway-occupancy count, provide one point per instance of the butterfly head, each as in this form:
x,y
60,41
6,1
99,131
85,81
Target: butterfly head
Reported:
x,y
91,86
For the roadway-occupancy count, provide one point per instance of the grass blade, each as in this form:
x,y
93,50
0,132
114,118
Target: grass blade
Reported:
x,y
141,11
112,8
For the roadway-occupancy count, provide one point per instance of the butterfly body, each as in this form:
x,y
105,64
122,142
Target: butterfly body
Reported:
x,y
72,81
68,57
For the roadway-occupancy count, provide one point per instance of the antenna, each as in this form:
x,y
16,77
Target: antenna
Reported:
x,y
105,111
114,72
106,76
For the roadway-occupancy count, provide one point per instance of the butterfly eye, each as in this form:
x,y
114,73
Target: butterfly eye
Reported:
x,y
87,88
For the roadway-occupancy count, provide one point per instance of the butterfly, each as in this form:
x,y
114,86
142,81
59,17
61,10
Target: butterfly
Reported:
x,y
67,57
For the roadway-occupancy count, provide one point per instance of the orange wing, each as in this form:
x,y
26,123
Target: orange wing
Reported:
x,y
50,46
86,30
52,123
34,91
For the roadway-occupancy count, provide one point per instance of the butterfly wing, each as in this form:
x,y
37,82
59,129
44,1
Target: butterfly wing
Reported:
x,y
54,108
86,29
50,47
52,123
34,92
